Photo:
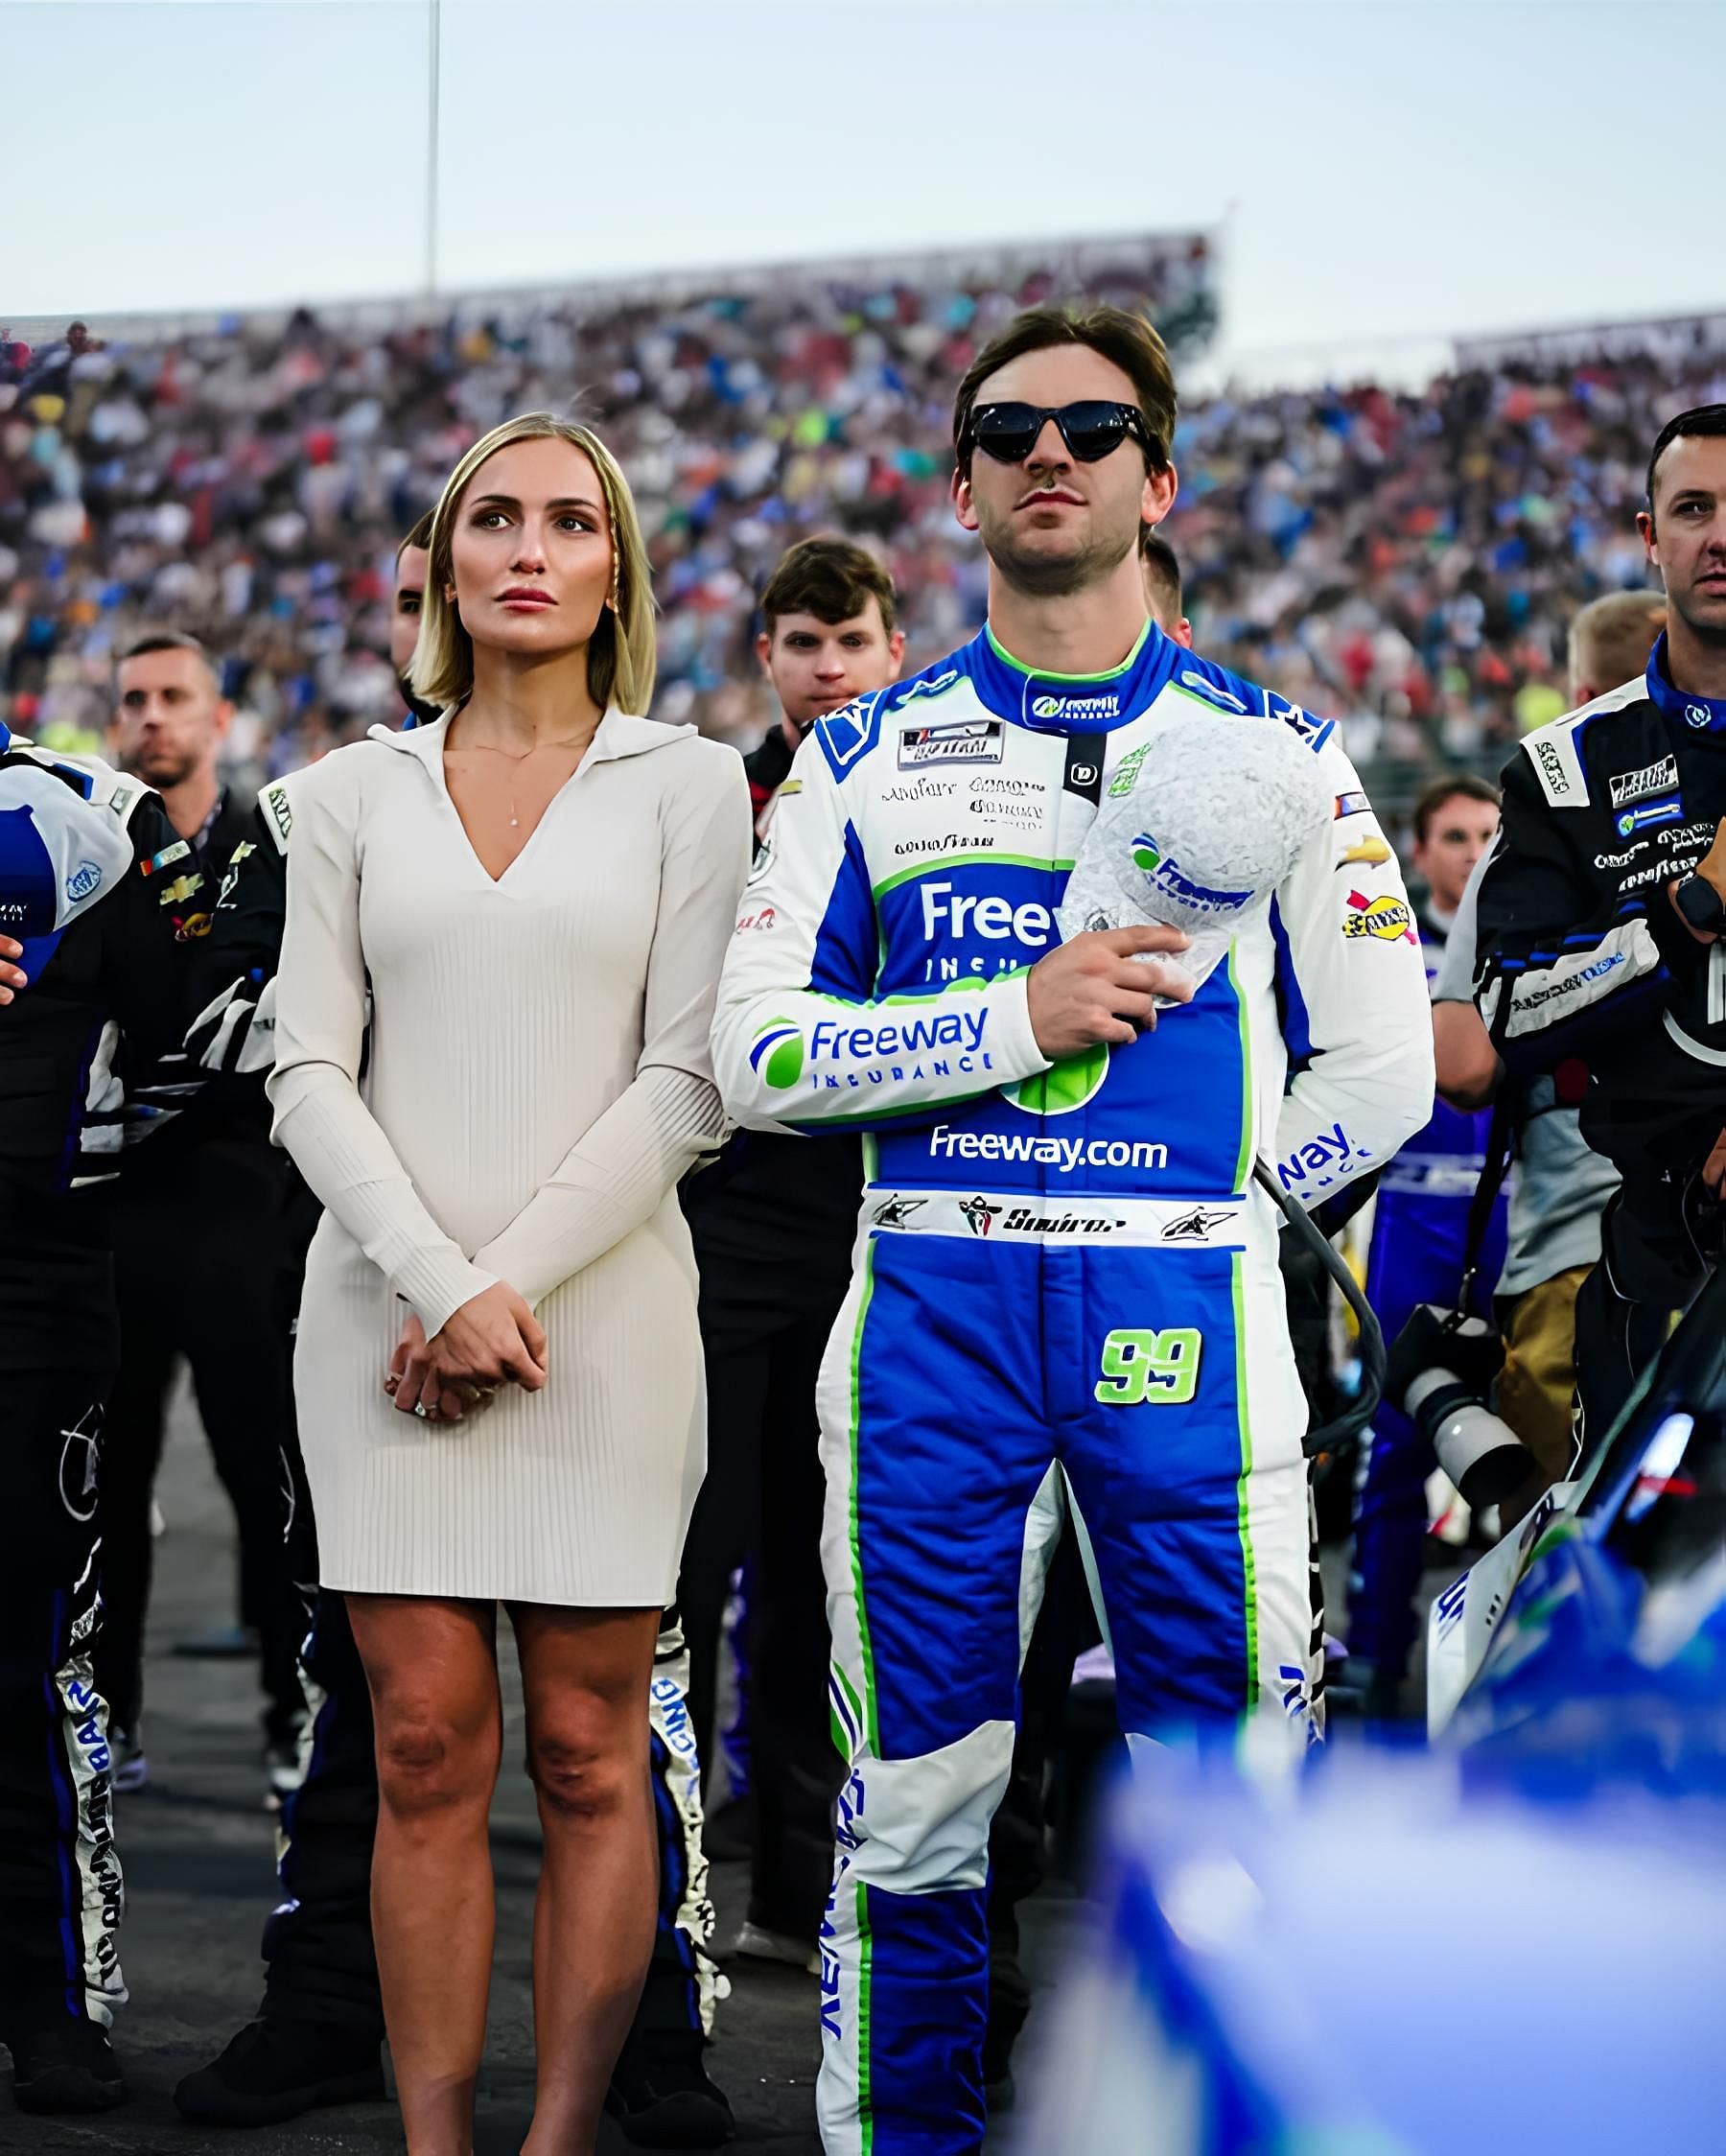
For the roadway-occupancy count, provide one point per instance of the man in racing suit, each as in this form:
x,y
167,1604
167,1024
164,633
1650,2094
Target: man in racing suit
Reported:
x,y
103,1003
1601,915
1065,1279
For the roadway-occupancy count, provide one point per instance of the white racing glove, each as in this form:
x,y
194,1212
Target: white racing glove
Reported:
x,y
1205,825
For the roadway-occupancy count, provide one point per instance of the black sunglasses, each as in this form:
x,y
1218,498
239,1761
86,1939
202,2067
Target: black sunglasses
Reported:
x,y
1091,429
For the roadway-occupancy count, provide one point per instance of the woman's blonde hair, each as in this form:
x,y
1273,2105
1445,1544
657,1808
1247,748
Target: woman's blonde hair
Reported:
x,y
620,653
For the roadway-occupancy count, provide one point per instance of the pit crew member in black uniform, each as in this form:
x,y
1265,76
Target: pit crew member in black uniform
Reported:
x,y
215,1183
1601,917
80,923
1560,1186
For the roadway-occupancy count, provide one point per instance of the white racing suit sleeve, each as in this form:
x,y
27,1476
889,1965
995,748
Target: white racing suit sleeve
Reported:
x,y
798,1042
1352,985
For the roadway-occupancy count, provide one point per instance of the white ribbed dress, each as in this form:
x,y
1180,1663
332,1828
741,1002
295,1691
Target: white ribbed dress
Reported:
x,y
537,1080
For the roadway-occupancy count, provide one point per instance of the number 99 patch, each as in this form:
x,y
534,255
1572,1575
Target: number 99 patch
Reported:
x,y
1144,1368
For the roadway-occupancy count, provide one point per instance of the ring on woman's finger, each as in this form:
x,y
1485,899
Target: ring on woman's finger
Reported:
x,y
422,1411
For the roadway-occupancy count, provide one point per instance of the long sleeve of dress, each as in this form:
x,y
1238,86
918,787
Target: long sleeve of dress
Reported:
x,y
334,1137
617,1173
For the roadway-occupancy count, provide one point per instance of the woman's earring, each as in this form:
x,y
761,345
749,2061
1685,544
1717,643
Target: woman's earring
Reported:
x,y
616,582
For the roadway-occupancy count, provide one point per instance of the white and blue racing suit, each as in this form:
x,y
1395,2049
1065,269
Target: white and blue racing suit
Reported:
x,y
1065,1288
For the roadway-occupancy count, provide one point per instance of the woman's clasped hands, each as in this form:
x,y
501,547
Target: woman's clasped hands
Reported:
x,y
494,1339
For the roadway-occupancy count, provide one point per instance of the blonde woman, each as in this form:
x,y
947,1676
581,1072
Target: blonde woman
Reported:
x,y
497,1370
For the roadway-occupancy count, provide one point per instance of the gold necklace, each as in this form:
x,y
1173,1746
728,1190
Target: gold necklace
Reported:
x,y
488,748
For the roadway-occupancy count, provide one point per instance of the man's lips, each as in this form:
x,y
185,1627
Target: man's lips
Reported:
x,y
1045,497
524,598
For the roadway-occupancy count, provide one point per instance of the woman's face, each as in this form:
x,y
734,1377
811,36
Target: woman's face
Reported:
x,y
530,556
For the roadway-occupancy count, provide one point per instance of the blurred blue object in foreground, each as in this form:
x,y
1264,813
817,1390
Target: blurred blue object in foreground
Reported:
x,y
1516,1942
1374,1962
1589,1650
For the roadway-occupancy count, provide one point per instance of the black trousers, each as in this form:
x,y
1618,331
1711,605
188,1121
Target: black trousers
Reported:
x,y
60,1894
763,1498
319,1961
1617,1339
205,1265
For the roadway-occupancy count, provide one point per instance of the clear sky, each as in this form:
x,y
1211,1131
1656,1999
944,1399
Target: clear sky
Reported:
x,y
1382,169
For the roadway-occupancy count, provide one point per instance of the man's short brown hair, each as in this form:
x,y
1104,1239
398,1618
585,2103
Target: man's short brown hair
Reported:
x,y
1434,795
1164,565
1610,640
417,535
1128,340
830,578
170,640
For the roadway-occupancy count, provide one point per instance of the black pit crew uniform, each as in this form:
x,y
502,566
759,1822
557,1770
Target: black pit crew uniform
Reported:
x,y
1581,954
77,845
318,2032
227,1196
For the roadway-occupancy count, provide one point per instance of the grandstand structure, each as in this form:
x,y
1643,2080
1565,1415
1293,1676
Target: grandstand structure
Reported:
x,y
1172,276
1407,559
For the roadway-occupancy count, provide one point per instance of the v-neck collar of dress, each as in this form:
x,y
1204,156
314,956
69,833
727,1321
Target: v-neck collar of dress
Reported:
x,y
618,734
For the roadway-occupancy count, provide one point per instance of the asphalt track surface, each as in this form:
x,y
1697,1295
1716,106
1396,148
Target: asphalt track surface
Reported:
x,y
198,1851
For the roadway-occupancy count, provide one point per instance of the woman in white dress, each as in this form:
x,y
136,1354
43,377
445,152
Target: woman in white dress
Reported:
x,y
498,1369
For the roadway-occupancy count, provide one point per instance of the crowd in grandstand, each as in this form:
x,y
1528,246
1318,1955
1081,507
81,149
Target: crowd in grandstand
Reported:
x,y
1406,560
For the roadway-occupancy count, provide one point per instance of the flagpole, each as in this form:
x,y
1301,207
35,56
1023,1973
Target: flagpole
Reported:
x,y
434,42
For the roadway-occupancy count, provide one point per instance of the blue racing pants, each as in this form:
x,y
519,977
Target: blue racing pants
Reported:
x,y
999,1361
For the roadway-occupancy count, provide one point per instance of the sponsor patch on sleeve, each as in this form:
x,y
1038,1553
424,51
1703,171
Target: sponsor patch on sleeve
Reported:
x,y
168,855
1365,853
1315,732
1553,752
1384,918
278,813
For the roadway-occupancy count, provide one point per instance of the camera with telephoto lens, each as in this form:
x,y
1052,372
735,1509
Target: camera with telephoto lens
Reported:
x,y
1440,1372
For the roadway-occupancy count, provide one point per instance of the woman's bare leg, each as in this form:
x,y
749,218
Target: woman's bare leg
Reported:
x,y
431,1667
585,1673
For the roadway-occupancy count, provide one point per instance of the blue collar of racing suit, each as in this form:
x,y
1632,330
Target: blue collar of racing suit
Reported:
x,y
1071,703
1701,713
